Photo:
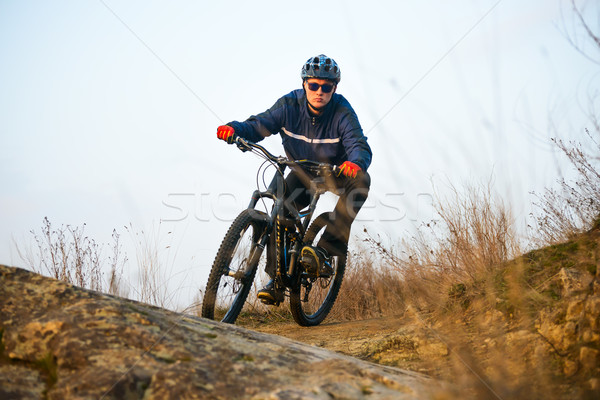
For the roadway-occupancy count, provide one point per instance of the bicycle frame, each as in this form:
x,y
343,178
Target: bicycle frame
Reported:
x,y
284,232
277,221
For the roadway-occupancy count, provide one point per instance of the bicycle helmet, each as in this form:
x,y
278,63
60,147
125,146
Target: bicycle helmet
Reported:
x,y
321,67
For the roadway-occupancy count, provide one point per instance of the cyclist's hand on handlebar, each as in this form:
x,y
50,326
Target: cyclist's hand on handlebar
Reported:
x,y
226,133
348,169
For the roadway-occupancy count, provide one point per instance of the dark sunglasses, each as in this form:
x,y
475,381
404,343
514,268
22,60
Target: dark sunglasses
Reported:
x,y
326,88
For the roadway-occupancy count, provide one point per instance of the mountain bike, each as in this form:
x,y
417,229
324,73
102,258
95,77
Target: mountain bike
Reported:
x,y
282,233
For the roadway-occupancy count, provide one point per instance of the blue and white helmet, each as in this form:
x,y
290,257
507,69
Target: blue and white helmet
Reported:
x,y
321,67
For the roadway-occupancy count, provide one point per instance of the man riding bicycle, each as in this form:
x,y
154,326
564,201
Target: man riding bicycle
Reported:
x,y
315,123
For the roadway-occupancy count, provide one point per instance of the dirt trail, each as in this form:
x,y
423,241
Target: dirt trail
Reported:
x,y
394,341
347,337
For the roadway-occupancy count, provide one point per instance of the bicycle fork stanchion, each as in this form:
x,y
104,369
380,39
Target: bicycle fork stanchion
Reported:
x,y
253,259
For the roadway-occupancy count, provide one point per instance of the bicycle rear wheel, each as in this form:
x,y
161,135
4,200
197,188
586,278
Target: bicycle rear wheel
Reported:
x,y
312,298
234,267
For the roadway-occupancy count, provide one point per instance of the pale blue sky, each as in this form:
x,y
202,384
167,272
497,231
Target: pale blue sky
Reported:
x,y
108,109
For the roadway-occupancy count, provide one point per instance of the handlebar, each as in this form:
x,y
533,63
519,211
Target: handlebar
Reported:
x,y
314,166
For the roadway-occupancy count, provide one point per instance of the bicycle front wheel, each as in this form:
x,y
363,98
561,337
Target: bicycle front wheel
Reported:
x,y
234,267
313,296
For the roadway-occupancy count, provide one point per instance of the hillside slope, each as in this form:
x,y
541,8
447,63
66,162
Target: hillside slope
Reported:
x,y
529,329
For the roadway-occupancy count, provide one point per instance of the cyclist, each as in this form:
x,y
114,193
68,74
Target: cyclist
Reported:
x,y
315,123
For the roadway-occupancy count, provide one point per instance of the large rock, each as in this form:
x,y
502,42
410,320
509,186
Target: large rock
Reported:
x,y
61,342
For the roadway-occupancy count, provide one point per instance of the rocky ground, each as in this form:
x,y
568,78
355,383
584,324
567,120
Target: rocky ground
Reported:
x,y
60,342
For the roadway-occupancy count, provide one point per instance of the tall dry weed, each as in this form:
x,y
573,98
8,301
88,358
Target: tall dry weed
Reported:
x,y
458,252
573,207
447,261
155,256
370,288
68,254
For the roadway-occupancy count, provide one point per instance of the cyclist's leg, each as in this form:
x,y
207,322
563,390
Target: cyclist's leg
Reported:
x,y
297,193
354,193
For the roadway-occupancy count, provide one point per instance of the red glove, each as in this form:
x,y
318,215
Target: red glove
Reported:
x,y
349,169
226,133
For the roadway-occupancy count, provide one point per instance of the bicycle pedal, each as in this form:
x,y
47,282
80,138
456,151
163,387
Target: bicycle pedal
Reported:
x,y
268,299
270,302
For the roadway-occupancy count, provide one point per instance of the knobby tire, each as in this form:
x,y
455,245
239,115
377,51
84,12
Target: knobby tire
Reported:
x,y
230,254
301,310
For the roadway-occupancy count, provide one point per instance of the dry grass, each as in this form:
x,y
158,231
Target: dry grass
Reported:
x,y
152,273
371,288
66,253
456,254
574,207
459,252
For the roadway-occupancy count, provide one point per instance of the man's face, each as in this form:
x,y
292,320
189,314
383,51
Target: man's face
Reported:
x,y
318,98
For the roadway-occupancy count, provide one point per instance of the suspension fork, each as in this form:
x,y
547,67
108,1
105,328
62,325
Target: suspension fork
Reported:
x,y
287,236
255,253
283,257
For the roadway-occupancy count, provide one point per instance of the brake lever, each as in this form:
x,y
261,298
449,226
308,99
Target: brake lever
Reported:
x,y
242,144
324,169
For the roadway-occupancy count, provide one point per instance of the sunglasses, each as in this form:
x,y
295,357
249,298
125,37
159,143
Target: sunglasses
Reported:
x,y
326,88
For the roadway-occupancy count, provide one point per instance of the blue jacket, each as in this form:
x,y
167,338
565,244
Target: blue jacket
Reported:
x,y
333,137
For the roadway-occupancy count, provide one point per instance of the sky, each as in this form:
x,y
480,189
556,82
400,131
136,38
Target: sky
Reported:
x,y
109,109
